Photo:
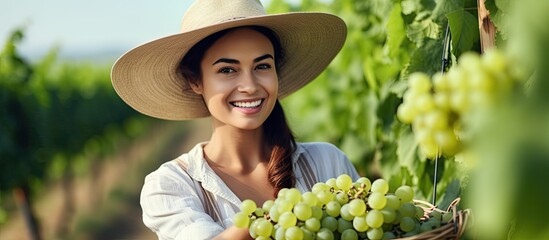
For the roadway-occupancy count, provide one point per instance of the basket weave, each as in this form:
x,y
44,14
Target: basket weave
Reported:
x,y
454,229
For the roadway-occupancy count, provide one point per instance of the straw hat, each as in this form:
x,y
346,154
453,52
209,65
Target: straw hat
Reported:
x,y
147,77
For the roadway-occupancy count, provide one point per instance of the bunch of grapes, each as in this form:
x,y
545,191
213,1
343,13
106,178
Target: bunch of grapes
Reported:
x,y
436,107
339,209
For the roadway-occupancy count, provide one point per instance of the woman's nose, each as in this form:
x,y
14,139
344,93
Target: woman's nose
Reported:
x,y
247,83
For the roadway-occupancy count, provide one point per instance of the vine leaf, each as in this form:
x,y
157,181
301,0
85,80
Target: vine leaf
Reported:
x,y
464,29
395,30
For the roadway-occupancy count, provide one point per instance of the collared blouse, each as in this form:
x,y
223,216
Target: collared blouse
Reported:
x,y
185,199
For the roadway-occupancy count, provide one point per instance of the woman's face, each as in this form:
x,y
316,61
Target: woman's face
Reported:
x,y
239,81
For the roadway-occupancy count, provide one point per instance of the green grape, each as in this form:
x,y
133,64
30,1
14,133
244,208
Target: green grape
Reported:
x,y
494,61
349,234
282,193
388,235
440,82
333,208
419,212
374,218
459,101
283,205
303,211
359,223
344,182
435,222
406,113
436,215
274,213
389,215
380,185
343,225
447,141
455,78
436,119
425,103
317,212
329,223
309,198
262,238
280,234
267,205
259,212
252,228
293,196
287,219
377,200
332,182
407,224
264,228
294,233
393,201
447,216
407,210
419,82
357,207
342,198
320,186
426,226
469,62
345,214
324,196
366,184
325,234
308,234
442,101
241,220
405,193
313,224
248,206
375,233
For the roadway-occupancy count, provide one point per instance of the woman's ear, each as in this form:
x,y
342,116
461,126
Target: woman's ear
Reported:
x,y
196,87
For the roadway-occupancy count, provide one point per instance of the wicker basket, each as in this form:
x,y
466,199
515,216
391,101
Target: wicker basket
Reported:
x,y
452,230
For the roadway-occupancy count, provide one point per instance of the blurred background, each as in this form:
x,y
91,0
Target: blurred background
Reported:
x,y
73,156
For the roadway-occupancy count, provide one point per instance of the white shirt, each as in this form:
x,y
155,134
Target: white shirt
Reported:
x,y
173,201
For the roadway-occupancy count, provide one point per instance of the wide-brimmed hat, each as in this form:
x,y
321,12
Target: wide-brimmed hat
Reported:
x,y
147,77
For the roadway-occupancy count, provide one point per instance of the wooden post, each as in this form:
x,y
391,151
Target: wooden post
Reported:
x,y
487,29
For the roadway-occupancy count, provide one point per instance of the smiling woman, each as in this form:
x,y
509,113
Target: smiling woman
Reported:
x,y
232,63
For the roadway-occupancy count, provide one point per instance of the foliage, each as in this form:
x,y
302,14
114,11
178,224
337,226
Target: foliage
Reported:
x,y
353,104
51,113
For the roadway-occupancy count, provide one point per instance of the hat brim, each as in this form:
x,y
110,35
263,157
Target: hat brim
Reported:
x,y
147,77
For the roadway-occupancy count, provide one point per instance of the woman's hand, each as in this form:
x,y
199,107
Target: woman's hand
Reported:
x,y
234,233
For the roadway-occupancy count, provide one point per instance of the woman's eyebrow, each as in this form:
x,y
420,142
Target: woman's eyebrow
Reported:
x,y
226,60
263,57
234,61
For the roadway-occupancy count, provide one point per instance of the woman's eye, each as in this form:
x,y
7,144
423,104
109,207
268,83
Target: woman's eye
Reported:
x,y
226,70
263,66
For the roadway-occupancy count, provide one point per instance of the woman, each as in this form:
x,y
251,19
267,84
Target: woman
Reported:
x,y
231,62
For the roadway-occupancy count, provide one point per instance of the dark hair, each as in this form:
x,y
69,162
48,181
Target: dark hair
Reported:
x,y
277,132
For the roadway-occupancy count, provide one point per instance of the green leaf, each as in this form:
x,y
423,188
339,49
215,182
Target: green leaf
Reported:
x,y
464,29
406,149
426,59
395,30
452,192
444,7
419,30
410,6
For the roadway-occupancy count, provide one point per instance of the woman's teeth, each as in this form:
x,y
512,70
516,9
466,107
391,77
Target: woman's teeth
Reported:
x,y
247,104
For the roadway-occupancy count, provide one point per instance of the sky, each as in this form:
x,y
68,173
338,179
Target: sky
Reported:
x,y
89,27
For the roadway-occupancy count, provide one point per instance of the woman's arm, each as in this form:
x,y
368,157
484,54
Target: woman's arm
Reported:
x,y
234,233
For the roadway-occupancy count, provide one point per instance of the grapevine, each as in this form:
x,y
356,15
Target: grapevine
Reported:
x,y
340,209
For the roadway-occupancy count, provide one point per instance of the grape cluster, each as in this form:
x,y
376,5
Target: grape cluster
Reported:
x,y
436,106
339,209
